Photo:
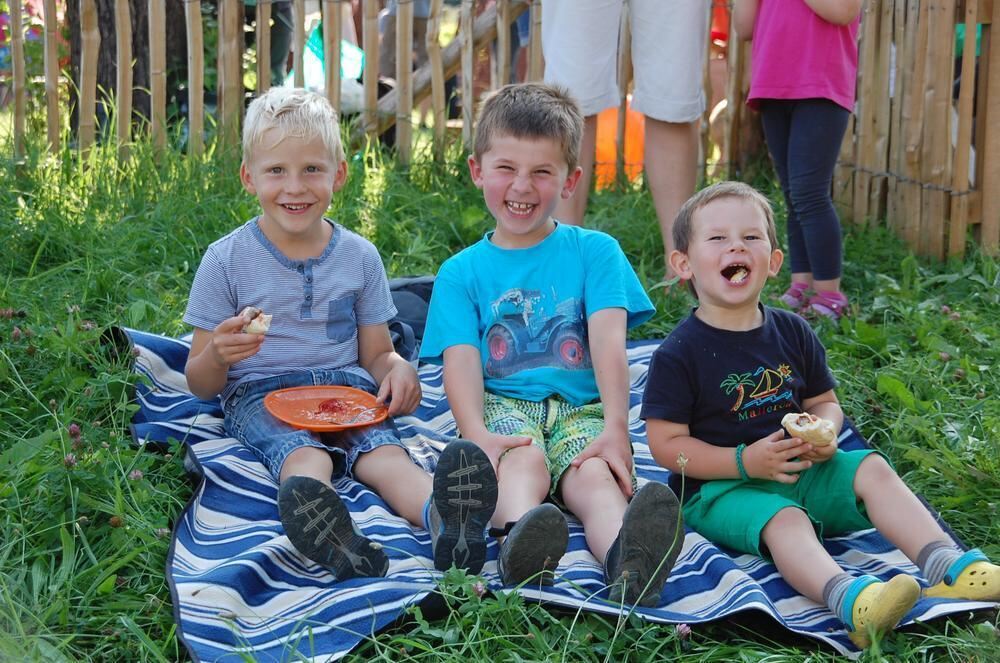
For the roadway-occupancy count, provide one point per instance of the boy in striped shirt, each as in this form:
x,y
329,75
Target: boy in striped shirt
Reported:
x,y
326,290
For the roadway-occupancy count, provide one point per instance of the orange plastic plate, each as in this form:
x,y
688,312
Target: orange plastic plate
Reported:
x,y
300,407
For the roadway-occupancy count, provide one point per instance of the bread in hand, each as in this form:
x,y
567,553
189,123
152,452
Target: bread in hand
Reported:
x,y
809,428
258,322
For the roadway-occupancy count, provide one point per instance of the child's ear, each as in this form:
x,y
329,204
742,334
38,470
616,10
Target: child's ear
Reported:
x,y
476,171
340,178
679,263
571,181
774,265
247,179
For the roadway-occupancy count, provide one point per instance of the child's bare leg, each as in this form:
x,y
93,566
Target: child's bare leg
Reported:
x,y
390,472
308,462
592,494
801,559
523,482
893,508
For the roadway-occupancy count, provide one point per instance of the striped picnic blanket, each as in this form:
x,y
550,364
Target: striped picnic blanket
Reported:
x,y
239,587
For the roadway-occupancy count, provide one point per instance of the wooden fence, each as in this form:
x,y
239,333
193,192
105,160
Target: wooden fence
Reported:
x,y
928,164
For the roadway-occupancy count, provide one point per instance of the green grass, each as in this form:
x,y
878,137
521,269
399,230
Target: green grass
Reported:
x,y
89,244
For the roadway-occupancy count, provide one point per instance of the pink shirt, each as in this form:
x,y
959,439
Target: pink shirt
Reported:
x,y
798,55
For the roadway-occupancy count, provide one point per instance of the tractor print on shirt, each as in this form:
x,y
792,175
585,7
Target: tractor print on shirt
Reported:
x,y
529,331
760,391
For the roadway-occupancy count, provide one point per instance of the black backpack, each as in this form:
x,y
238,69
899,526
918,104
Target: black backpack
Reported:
x,y
412,297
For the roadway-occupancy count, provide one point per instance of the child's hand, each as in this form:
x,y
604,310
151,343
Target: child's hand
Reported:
x,y
821,454
495,445
229,344
616,450
771,458
400,388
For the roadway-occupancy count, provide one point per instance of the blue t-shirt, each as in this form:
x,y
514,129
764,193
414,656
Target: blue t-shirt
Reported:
x,y
733,387
526,310
316,304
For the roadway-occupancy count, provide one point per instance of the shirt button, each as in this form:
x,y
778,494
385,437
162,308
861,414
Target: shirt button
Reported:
x,y
309,298
301,269
309,279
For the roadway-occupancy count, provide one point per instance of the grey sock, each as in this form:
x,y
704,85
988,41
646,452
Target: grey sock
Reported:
x,y
835,590
935,558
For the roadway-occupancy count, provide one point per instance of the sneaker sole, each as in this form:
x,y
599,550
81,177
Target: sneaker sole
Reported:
x,y
320,527
534,546
651,522
465,496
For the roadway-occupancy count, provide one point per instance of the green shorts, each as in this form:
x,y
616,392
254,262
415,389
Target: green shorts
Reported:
x,y
559,429
733,513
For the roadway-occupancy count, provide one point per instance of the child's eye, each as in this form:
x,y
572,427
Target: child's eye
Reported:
x,y
715,238
754,237
274,170
312,169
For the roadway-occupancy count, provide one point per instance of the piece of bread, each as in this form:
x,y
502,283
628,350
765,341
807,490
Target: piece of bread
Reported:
x,y
809,428
258,322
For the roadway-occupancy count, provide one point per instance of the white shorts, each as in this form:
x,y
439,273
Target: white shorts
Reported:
x,y
669,50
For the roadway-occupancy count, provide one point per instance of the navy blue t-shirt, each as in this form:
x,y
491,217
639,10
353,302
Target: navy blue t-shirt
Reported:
x,y
733,387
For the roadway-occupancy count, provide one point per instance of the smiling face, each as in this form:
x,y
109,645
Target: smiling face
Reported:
x,y
729,258
522,181
294,179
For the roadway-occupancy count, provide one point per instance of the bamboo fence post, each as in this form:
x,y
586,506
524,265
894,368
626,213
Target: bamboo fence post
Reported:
x,y
990,154
332,26
437,78
262,41
982,83
960,172
230,56
123,43
298,40
157,73
738,52
404,81
90,43
913,122
624,77
370,42
501,63
17,70
876,200
468,70
535,64
864,146
51,74
899,76
196,77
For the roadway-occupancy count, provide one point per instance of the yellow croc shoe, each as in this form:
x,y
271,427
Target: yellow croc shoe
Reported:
x,y
878,606
971,577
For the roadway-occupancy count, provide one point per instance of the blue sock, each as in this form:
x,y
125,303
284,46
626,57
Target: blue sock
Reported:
x,y
427,514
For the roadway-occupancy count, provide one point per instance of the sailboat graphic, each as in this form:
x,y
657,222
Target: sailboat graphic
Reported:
x,y
768,384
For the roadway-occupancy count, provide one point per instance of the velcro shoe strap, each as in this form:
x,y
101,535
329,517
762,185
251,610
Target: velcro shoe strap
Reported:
x,y
853,592
959,565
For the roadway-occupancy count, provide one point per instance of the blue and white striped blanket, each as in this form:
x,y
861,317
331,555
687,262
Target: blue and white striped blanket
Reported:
x,y
239,587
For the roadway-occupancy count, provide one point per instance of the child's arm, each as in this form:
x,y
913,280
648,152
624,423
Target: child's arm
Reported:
x,y
606,331
838,12
213,352
744,16
463,383
768,458
397,379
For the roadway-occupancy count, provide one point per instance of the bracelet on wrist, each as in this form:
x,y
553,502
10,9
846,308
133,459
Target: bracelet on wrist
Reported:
x,y
739,462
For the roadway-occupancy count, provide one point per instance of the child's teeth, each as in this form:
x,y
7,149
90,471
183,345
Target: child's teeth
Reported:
x,y
738,276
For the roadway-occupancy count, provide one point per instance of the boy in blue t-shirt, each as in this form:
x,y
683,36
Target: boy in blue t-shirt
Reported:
x,y
717,391
326,292
530,325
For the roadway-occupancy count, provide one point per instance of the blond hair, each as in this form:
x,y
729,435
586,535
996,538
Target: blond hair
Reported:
x,y
292,113
531,110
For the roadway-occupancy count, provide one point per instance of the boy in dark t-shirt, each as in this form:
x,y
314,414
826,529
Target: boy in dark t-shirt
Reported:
x,y
718,388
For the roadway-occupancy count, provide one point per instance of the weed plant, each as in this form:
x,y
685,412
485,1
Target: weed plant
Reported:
x,y
85,514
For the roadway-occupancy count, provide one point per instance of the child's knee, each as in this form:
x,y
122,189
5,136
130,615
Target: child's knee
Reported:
x,y
786,520
527,457
379,457
874,470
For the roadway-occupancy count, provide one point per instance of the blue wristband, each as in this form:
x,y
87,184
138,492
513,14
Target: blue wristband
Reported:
x,y
739,463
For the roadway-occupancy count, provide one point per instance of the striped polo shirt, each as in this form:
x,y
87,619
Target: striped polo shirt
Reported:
x,y
316,304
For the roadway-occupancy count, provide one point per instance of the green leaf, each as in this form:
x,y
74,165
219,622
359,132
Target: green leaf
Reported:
x,y
107,585
23,451
893,387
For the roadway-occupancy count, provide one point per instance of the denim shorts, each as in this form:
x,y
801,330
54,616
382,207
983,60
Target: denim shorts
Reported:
x,y
271,440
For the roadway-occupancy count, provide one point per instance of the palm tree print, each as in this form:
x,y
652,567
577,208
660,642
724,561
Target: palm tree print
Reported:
x,y
737,382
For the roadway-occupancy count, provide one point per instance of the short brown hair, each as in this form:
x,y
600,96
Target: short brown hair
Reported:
x,y
531,110
682,224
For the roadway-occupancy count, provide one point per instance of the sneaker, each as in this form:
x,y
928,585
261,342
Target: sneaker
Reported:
x,y
534,546
795,297
831,305
879,607
320,527
642,556
462,503
972,577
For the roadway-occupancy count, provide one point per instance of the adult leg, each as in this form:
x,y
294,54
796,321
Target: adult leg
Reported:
x,y
815,135
572,210
671,163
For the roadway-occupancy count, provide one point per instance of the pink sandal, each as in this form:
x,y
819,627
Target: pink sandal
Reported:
x,y
829,304
795,297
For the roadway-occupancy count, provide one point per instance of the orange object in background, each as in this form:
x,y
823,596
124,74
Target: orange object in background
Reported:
x,y
605,170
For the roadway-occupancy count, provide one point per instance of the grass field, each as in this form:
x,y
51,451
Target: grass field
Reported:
x,y
85,515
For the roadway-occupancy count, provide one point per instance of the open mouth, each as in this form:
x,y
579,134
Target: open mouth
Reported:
x,y
736,273
295,207
520,209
